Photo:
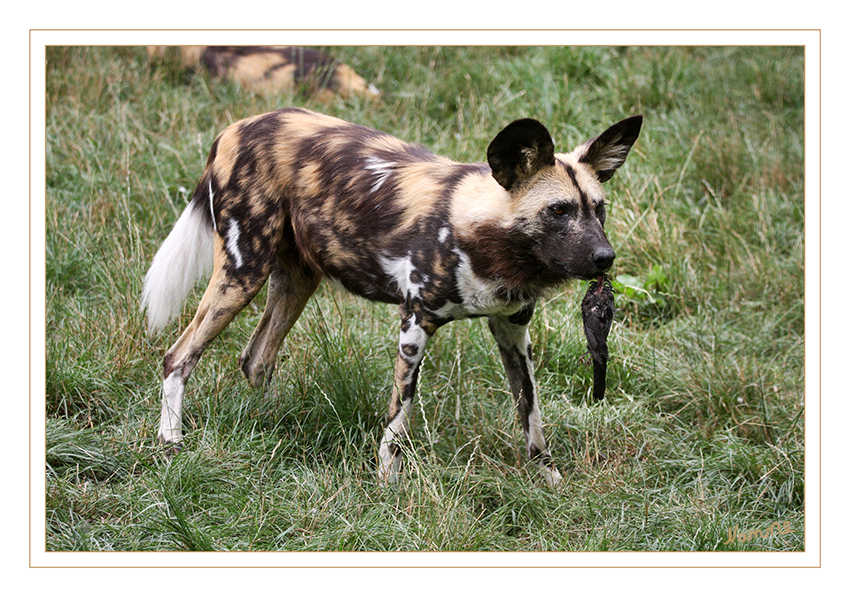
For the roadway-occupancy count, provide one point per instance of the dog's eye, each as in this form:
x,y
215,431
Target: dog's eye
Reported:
x,y
600,212
560,209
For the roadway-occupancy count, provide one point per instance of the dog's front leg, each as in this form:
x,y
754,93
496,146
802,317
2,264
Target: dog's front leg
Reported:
x,y
511,335
415,333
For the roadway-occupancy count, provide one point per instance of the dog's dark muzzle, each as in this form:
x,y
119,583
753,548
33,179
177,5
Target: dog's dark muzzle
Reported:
x,y
603,257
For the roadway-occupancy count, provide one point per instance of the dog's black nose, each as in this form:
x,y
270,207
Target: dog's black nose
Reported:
x,y
603,258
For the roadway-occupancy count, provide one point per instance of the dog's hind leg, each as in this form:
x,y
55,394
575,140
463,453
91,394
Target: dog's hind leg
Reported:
x,y
291,285
416,331
511,333
229,290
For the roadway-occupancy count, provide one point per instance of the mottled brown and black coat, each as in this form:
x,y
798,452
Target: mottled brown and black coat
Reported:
x,y
293,197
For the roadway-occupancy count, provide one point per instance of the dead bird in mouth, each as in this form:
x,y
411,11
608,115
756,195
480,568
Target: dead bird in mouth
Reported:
x,y
597,312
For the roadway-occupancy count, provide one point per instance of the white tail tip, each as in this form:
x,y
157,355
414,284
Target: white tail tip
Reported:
x,y
183,259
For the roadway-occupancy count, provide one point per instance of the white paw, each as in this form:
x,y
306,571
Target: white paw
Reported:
x,y
552,476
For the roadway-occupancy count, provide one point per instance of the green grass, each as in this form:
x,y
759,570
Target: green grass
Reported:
x,y
702,427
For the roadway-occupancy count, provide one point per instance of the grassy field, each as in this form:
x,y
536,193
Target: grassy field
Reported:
x,y
702,427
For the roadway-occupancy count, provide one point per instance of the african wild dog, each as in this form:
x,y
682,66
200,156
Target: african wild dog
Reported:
x,y
295,196
275,69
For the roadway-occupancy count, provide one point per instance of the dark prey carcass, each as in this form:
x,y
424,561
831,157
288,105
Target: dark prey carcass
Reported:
x,y
597,312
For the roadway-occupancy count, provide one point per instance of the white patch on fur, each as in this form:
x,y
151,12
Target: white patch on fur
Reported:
x,y
233,242
399,270
551,476
184,258
212,213
480,296
382,170
444,234
415,336
452,311
171,417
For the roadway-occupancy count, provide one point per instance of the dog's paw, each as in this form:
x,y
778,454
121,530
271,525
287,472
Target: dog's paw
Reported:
x,y
551,476
172,448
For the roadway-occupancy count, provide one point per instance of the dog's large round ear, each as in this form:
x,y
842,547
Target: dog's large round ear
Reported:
x,y
608,151
519,151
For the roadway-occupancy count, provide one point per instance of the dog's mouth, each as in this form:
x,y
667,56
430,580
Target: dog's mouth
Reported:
x,y
584,275
565,268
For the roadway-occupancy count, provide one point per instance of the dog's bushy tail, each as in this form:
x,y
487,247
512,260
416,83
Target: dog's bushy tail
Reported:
x,y
185,257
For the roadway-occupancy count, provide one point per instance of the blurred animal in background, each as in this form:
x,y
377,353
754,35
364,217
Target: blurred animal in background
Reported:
x,y
266,69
